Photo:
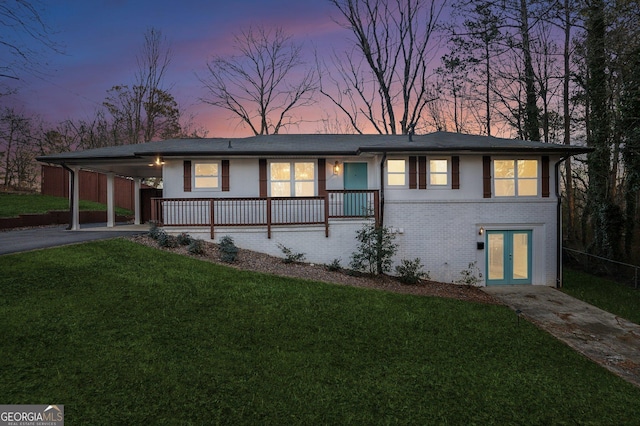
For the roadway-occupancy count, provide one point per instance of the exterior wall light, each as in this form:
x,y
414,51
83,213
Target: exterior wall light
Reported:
x,y
336,168
157,162
481,231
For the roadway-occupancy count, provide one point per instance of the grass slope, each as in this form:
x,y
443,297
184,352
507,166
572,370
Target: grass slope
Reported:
x,y
12,205
608,295
124,334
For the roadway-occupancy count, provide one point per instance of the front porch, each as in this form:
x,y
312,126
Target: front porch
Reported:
x,y
266,211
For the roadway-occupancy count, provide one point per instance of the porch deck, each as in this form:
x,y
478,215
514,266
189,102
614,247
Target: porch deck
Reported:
x,y
266,211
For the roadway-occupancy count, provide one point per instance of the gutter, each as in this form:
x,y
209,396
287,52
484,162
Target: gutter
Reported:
x,y
384,158
71,191
559,223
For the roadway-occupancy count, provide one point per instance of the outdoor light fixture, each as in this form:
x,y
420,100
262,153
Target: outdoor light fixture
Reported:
x,y
336,168
157,162
481,231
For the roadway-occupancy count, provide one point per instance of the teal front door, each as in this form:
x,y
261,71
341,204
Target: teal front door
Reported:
x,y
355,178
508,257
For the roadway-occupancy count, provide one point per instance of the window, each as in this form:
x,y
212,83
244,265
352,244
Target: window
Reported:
x,y
292,179
438,172
207,175
396,175
515,178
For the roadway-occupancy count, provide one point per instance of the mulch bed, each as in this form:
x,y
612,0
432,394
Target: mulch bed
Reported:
x,y
260,262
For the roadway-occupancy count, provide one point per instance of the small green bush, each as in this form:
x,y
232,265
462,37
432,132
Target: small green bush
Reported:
x,y
335,265
196,247
290,256
410,271
154,230
375,249
167,241
470,276
228,250
184,239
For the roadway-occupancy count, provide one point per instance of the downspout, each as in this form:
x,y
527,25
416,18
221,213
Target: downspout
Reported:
x,y
559,223
384,158
71,190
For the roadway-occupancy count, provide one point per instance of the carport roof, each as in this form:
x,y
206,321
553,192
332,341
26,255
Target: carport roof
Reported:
x,y
124,158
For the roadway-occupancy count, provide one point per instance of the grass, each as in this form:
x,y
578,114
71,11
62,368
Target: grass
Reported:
x,y
12,205
122,333
608,295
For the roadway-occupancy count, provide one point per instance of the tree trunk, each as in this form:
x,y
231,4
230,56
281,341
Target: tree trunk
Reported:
x,y
599,198
571,204
531,124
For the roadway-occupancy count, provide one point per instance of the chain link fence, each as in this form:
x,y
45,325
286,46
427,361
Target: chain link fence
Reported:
x,y
624,273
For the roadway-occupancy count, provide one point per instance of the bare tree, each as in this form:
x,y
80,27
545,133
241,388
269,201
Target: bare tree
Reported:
x,y
17,149
565,16
264,83
475,44
384,77
26,32
145,110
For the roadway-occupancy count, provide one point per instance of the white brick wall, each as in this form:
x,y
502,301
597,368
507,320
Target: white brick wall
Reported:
x,y
309,239
444,234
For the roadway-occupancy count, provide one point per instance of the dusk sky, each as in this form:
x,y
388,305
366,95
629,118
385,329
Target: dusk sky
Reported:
x,y
100,41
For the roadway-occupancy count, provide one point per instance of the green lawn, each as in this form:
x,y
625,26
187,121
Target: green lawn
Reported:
x,y
12,205
125,334
611,296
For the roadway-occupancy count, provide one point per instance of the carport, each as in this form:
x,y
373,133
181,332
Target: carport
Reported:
x,y
110,161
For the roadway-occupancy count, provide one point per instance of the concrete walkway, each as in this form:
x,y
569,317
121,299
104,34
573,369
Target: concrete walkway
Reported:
x,y
19,240
609,340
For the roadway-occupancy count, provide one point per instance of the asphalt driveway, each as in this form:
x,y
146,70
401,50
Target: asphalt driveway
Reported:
x,y
15,241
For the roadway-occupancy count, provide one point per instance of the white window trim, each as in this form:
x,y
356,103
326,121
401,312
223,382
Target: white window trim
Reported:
x,y
515,178
406,173
195,188
436,186
292,178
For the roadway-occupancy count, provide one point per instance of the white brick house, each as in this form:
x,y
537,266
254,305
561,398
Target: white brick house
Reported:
x,y
451,199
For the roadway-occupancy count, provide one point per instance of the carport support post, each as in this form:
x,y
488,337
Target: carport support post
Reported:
x,y
136,200
110,200
75,194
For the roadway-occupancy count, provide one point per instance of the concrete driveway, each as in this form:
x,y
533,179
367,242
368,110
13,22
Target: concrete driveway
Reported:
x,y
607,339
14,241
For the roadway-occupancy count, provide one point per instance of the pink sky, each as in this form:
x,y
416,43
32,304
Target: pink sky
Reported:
x,y
100,40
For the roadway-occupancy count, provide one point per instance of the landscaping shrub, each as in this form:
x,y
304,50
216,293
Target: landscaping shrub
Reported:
x,y
471,275
228,250
375,249
196,247
290,256
410,271
184,239
335,265
167,241
154,231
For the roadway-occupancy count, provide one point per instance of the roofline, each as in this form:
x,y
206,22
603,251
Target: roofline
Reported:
x,y
73,160
552,149
234,152
370,150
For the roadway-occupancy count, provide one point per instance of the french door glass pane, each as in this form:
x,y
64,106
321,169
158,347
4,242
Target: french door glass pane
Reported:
x,y
520,256
496,256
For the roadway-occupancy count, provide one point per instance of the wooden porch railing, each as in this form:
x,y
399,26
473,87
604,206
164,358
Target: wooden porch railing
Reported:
x,y
265,211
